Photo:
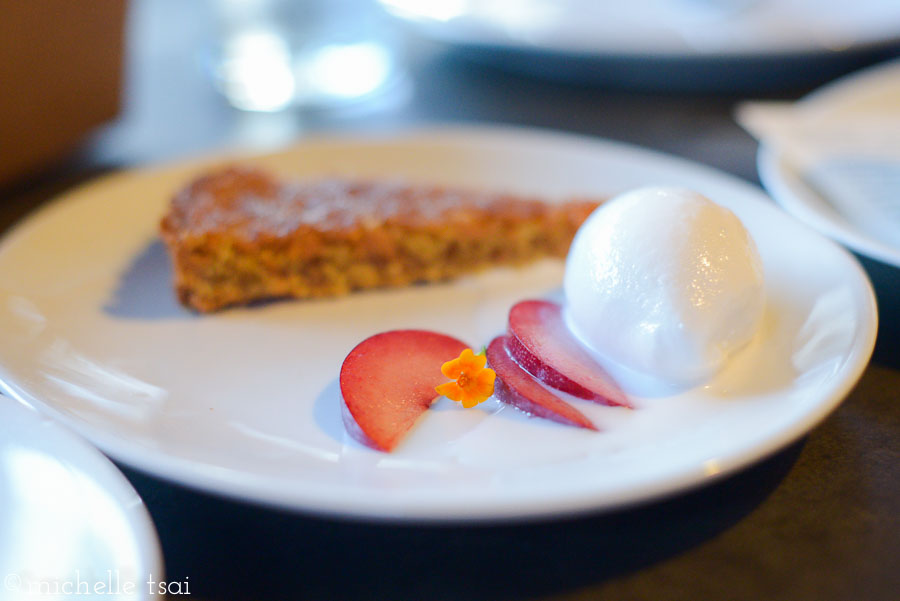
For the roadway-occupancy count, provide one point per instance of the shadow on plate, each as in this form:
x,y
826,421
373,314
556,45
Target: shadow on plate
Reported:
x,y
145,288
232,550
326,412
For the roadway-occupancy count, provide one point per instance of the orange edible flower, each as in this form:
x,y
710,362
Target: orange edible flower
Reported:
x,y
472,382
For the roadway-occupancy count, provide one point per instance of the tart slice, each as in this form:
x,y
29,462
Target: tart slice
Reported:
x,y
239,235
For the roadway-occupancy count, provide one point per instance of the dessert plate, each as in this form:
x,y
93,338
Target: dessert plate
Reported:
x,y
246,402
70,521
872,228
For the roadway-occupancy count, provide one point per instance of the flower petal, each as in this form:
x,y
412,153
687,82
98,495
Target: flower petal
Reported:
x,y
486,377
484,386
451,390
452,369
465,358
470,400
472,363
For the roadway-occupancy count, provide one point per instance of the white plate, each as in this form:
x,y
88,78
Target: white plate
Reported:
x,y
874,90
69,518
245,402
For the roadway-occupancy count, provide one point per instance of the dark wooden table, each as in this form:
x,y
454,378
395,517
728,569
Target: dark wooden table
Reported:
x,y
819,521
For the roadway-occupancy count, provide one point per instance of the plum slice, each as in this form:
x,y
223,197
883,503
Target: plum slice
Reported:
x,y
388,381
514,386
540,341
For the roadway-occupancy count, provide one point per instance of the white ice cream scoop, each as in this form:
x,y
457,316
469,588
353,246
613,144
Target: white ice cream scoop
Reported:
x,y
665,282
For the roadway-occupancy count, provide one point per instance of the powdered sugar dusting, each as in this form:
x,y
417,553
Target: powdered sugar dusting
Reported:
x,y
338,204
251,203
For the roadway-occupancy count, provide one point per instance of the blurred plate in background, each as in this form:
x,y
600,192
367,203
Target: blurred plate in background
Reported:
x,y
679,44
69,520
873,231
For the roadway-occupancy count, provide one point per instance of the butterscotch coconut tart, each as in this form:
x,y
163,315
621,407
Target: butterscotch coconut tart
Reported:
x,y
239,235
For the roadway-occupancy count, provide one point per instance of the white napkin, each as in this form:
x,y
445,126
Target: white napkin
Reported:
x,y
851,158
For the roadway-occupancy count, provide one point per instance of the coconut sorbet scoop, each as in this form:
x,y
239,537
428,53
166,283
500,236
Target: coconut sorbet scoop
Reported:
x,y
665,282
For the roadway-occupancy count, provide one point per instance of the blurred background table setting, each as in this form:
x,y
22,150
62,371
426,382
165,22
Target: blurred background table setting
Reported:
x,y
794,105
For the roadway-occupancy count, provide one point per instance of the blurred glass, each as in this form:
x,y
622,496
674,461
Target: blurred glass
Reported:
x,y
318,54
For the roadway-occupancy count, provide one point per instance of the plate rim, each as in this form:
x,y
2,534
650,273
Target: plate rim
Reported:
x,y
194,474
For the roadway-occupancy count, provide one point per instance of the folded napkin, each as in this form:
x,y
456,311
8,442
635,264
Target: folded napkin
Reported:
x,y
850,157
